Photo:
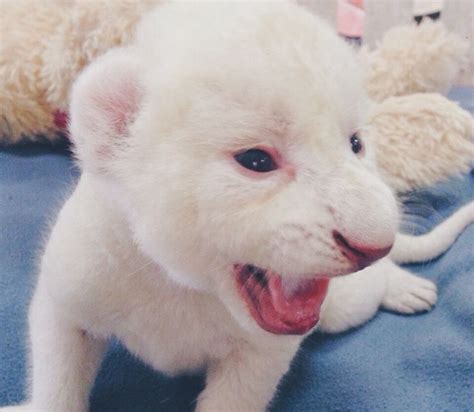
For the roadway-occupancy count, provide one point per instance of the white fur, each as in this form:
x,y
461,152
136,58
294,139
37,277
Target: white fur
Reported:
x,y
406,130
382,284
145,246
414,59
409,249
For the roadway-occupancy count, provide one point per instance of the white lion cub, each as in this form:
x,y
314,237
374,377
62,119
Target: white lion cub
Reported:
x,y
224,184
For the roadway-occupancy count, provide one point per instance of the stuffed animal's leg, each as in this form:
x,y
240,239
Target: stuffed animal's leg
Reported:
x,y
245,380
352,300
64,360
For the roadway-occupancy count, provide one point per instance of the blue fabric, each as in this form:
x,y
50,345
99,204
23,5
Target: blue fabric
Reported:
x,y
394,363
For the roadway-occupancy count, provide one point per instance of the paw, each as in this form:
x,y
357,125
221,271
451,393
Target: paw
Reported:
x,y
407,293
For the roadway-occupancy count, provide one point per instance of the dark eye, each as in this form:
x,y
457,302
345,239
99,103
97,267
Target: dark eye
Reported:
x,y
356,143
256,160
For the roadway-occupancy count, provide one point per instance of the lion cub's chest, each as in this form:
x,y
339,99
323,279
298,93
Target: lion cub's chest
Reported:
x,y
174,329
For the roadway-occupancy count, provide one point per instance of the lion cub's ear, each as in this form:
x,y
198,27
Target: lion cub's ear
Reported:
x,y
105,101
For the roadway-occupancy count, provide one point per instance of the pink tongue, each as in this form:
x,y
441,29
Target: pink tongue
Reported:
x,y
295,299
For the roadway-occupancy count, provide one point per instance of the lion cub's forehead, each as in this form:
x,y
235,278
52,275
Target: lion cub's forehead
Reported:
x,y
253,66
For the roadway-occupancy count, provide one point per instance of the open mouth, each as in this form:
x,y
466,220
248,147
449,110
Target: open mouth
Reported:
x,y
281,306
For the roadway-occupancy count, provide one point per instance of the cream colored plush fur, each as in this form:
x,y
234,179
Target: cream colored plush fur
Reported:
x,y
43,47
415,59
146,247
24,109
420,139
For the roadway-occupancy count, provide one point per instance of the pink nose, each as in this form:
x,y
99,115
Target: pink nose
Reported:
x,y
361,256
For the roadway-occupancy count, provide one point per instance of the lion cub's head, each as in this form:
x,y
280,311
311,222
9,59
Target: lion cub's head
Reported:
x,y
232,137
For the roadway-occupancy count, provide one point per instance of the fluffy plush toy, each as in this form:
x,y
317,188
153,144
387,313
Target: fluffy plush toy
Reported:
x,y
414,59
44,45
421,138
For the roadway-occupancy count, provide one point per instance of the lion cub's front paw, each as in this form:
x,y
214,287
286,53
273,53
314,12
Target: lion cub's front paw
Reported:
x,y
407,293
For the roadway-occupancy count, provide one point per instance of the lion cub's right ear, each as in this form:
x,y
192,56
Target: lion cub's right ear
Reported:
x,y
105,101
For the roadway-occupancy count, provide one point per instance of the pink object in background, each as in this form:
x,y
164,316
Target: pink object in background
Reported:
x,y
61,119
350,18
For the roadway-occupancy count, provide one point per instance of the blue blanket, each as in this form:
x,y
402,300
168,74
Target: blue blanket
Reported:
x,y
394,363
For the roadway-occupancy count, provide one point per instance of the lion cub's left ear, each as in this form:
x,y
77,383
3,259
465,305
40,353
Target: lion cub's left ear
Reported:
x,y
105,101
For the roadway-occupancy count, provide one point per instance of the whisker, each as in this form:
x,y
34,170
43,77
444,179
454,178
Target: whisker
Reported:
x,y
150,262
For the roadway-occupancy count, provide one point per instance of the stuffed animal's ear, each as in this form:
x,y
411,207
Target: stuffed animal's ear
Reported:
x,y
105,101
